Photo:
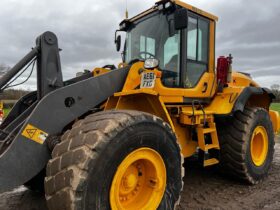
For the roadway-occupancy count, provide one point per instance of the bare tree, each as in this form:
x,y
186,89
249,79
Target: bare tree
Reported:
x,y
3,68
275,88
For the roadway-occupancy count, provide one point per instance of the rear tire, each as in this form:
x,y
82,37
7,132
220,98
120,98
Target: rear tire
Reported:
x,y
84,164
247,144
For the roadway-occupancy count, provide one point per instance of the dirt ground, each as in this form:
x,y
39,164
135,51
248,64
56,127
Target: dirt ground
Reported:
x,y
204,189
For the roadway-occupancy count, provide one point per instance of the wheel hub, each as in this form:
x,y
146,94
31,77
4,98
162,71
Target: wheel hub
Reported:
x,y
259,146
130,181
139,182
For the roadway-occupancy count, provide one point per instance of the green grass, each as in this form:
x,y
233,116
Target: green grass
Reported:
x,y
275,106
7,111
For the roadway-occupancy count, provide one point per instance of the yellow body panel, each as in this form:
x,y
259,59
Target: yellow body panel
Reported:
x,y
168,104
275,119
141,100
242,80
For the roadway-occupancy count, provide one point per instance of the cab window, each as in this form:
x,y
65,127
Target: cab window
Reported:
x,y
197,50
170,65
147,45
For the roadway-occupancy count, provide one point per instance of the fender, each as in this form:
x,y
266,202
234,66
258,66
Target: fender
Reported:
x,y
144,100
258,96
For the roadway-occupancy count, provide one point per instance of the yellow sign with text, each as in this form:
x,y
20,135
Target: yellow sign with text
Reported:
x,y
34,134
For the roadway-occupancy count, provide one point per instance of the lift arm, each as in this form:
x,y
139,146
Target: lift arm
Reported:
x,y
38,115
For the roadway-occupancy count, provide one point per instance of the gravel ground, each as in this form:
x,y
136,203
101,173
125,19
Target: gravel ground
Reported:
x,y
204,189
207,189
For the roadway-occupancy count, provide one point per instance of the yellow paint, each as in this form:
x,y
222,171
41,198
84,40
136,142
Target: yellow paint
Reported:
x,y
259,146
275,119
184,137
182,4
1,105
239,79
161,100
99,71
195,10
139,182
170,95
35,134
210,162
145,100
134,76
211,130
154,100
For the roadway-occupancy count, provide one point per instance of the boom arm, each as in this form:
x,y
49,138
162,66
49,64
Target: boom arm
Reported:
x,y
24,151
49,75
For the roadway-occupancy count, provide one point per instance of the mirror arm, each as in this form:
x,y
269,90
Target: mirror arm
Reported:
x,y
116,35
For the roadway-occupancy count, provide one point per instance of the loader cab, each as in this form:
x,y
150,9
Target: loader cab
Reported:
x,y
185,54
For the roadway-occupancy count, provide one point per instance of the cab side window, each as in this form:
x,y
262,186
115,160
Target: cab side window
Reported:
x,y
197,50
170,65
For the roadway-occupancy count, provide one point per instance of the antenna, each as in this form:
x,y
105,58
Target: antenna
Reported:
x,y
126,10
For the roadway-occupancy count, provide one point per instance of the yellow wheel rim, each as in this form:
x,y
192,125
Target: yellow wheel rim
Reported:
x,y
139,182
259,145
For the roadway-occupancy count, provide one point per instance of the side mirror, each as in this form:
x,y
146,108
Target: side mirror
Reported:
x,y
181,19
118,42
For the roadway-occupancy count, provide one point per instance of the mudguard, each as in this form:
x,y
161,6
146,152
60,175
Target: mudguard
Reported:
x,y
247,93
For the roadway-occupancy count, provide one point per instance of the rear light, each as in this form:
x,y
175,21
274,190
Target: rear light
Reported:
x,y
1,113
222,70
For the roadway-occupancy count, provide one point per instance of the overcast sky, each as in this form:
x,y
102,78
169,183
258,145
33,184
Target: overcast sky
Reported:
x,y
250,30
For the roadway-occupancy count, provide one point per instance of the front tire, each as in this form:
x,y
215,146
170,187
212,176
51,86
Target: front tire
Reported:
x,y
110,147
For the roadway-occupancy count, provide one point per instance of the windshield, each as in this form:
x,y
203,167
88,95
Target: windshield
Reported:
x,y
154,36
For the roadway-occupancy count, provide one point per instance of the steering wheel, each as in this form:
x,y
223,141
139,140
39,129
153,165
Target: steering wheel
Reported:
x,y
146,53
168,74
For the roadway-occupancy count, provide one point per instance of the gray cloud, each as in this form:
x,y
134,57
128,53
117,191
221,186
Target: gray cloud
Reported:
x,y
247,29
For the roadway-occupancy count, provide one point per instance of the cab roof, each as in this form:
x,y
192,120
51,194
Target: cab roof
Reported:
x,y
179,3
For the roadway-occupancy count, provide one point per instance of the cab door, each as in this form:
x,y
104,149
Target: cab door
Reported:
x,y
194,77
198,62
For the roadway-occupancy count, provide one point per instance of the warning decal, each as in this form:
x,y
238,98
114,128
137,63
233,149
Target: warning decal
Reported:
x,y
35,134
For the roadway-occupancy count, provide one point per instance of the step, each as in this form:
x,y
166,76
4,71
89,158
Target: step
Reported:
x,y
210,162
208,130
211,146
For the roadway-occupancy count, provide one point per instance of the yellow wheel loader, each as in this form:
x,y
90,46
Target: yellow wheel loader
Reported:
x,y
116,138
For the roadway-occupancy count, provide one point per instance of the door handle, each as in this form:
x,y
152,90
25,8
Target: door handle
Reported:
x,y
205,87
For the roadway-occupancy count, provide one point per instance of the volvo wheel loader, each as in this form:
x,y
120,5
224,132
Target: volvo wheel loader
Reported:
x,y
116,138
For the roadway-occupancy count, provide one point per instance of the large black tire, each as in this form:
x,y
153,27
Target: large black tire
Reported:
x,y
235,136
83,165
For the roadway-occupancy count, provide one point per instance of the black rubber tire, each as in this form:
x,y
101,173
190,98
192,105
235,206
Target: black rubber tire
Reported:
x,y
83,165
235,138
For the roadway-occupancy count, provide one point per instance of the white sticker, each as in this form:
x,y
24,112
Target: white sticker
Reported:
x,y
148,80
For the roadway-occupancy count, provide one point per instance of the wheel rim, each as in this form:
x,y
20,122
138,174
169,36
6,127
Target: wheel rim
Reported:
x,y
259,145
139,182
